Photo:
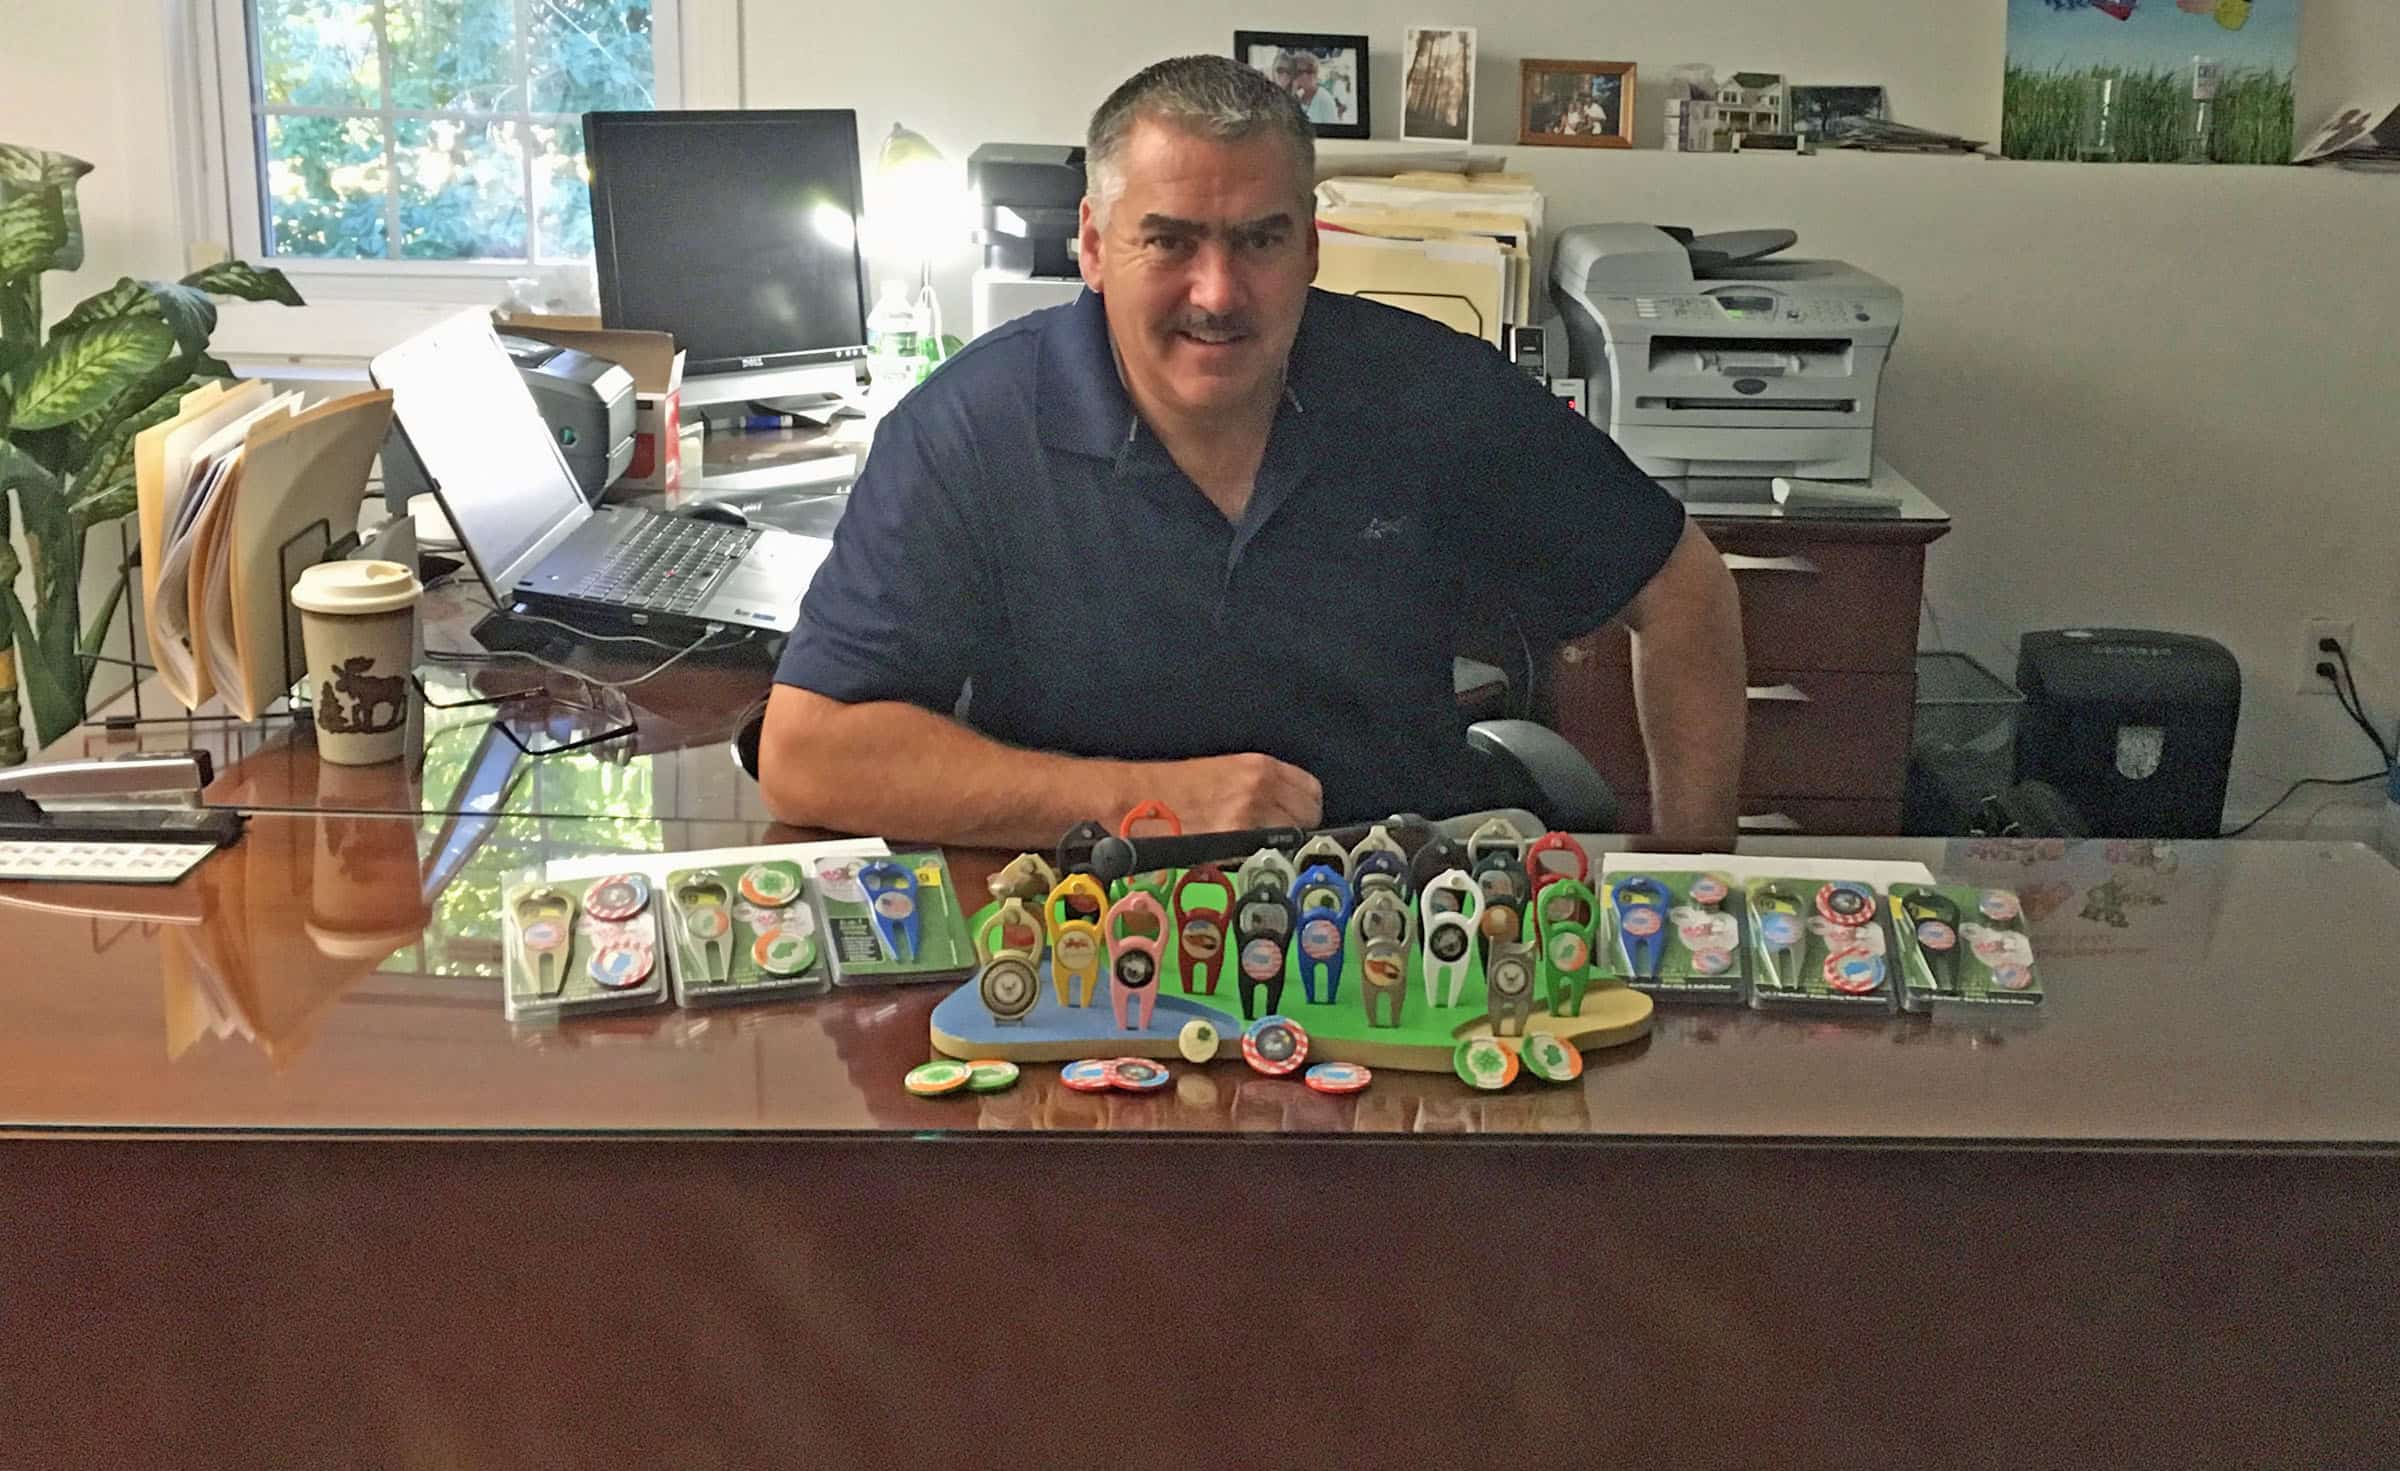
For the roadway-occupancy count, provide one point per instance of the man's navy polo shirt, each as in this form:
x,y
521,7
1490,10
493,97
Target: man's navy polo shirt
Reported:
x,y
1019,534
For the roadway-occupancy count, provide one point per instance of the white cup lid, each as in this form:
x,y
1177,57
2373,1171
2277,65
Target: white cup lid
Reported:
x,y
355,588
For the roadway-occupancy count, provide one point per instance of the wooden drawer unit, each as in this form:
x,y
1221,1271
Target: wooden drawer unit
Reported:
x,y
1829,630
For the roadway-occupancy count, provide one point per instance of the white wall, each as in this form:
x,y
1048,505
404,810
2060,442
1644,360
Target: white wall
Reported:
x,y
91,79
2152,396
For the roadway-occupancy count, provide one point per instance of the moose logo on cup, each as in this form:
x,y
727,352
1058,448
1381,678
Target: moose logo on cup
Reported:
x,y
356,702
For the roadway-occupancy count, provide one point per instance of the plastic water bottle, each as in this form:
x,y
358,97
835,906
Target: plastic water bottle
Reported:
x,y
892,342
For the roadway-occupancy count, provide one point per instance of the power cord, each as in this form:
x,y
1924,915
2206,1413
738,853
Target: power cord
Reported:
x,y
2345,689
2294,790
460,656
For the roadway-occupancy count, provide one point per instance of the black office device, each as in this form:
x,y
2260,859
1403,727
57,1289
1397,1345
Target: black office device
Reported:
x,y
737,232
2134,728
533,539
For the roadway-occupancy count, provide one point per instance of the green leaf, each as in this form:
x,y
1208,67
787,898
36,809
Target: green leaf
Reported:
x,y
70,250
110,453
81,371
188,311
128,298
212,367
36,168
111,500
246,281
46,657
33,229
25,475
57,704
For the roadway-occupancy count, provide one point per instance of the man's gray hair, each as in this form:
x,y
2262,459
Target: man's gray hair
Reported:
x,y
1206,96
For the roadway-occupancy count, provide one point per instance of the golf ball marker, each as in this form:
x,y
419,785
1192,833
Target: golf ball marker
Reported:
x,y
1566,916
1449,908
1075,941
891,892
1201,928
1134,958
1263,924
1321,906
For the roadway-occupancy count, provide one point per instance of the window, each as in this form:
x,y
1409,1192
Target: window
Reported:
x,y
391,131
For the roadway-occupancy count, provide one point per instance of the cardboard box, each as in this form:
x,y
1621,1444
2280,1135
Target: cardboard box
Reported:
x,y
657,368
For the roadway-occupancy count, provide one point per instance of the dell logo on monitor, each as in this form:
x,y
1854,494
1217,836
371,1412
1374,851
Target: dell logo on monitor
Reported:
x,y
754,362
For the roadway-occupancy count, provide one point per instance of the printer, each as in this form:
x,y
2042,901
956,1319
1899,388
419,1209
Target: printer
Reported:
x,y
1703,357
1027,196
587,402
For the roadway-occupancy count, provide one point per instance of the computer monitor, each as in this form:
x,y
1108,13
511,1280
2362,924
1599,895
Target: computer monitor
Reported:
x,y
738,233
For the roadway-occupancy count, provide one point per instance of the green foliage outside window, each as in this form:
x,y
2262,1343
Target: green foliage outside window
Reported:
x,y
481,156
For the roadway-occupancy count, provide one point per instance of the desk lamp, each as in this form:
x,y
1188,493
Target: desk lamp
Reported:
x,y
922,198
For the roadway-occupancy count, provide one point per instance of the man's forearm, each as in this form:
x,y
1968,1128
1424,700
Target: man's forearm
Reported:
x,y
1688,675
894,769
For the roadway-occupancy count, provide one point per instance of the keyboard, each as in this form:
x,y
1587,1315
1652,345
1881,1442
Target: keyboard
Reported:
x,y
667,564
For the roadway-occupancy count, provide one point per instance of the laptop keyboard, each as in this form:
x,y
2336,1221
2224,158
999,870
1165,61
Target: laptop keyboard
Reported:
x,y
668,564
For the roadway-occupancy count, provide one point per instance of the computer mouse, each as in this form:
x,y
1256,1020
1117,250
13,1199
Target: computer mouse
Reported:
x,y
722,512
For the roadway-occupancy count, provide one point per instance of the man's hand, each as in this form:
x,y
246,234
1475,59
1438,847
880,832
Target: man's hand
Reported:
x,y
1212,794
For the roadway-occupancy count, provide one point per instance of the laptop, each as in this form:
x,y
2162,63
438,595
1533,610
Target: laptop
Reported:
x,y
534,540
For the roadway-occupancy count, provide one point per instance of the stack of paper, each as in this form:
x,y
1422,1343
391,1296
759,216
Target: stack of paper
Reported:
x,y
231,493
2364,137
1456,248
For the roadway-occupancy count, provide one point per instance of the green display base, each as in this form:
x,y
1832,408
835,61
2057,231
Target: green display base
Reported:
x,y
1424,1041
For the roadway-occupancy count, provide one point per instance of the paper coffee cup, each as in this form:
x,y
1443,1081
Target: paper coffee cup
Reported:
x,y
358,624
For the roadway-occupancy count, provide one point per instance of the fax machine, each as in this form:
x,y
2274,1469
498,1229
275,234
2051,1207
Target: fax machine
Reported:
x,y
1704,358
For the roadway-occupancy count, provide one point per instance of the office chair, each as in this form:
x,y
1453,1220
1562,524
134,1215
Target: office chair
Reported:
x,y
1521,765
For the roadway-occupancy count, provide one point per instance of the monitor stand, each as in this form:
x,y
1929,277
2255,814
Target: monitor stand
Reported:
x,y
793,462
831,380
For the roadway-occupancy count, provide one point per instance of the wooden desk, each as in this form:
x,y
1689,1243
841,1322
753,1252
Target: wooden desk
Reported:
x,y
278,1184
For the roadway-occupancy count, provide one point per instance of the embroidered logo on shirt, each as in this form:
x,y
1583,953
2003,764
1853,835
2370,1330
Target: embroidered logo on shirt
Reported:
x,y
1382,528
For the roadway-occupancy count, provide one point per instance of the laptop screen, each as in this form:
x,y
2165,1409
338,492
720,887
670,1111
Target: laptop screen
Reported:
x,y
473,423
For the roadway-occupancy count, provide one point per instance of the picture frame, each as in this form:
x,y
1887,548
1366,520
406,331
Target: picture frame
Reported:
x,y
1331,68
1815,108
1437,84
1575,104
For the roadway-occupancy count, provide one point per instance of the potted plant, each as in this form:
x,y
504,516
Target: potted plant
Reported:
x,y
71,402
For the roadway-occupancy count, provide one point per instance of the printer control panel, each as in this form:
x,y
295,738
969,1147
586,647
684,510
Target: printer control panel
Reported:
x,y
1759,307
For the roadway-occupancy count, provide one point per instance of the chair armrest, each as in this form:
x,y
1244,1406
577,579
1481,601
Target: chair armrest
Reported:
x,y
1560,782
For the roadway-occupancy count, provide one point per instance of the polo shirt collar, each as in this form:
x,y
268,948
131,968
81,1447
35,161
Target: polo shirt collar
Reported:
x,y
1082,406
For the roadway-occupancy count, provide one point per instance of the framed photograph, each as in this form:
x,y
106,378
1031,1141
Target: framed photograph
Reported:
x,y
1575,104
1326,75
1816,109
1437,84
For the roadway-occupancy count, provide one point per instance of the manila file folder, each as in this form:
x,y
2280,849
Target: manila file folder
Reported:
x,y
302,476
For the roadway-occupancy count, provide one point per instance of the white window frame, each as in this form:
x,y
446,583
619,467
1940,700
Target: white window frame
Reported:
x,y
697,40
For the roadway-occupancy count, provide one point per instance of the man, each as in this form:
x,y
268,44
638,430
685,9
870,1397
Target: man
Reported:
x,y
1207,536
1301,80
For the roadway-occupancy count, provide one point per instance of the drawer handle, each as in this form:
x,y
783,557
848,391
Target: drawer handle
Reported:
x,y
1787,694
1768,822
1736,562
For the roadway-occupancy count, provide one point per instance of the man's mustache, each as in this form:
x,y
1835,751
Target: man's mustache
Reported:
x,y
1212,326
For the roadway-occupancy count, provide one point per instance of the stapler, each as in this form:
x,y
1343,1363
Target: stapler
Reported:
x,y
129,799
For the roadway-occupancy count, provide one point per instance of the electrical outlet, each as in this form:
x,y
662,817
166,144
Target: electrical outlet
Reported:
x,y
2312,634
